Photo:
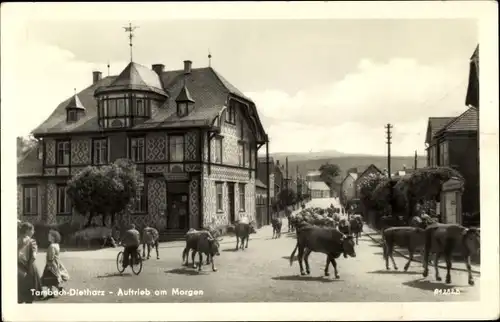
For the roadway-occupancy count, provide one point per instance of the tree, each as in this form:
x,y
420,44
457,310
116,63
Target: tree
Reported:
x,y
328,172
105,190
25,144
287,197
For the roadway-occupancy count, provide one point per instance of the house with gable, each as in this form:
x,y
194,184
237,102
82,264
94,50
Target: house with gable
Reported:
x,y
193,136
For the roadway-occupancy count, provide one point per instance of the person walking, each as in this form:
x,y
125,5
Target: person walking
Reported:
x,y
28,277
54,273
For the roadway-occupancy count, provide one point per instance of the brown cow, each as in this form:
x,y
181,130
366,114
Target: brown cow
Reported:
x,y
276,222
201,242
447,238
151,238
329,241
243,231
412,238
356,225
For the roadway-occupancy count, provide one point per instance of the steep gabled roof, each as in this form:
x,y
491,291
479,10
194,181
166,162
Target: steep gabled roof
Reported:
x,y
371,166
207,88
317,185
467,121
29,164
260,184
184,96
434,125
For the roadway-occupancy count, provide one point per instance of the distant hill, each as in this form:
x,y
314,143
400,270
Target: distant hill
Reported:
x,y
312,161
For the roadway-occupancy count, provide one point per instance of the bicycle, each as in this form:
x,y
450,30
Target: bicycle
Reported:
x,y
136,263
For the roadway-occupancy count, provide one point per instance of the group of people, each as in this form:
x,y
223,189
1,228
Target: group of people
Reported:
x,y
32,286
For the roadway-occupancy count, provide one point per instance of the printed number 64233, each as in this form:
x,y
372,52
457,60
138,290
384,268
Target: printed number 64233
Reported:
x,y
446,291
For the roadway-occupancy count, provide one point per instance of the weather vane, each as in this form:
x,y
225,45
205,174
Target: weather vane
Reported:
x,y
209,58
130,29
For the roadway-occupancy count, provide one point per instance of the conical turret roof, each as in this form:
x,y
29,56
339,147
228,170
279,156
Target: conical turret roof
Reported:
x,y
184,95
136,77
75,103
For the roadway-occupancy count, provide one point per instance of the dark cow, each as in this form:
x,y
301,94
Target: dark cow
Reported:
x,y
276,222
344,226
356,225
151,238
411,238
329,241
243,231
201,242
446,239
392,221
291,223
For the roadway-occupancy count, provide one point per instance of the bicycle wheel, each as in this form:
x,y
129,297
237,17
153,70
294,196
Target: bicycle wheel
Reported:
x,y
119,262
137,265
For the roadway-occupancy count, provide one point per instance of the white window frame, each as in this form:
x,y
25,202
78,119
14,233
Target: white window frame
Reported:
x,y
137,149
219,197
139,205
241,194
30,200
64,150
241,154
63,198
100,151
218,148
176,148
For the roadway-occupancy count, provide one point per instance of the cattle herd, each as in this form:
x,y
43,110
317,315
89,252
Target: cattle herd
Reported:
x,y
334,233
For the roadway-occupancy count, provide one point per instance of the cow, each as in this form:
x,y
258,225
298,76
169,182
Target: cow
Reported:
x,y
276,222
243,230
344,226
356,225
201,242
416,221
329,241
288,214
447,238
392,221
151,238
412,238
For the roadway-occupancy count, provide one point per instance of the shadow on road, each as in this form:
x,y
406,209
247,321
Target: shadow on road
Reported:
x,y
184,271
394,272
323,279
288,258
231,249
114,275
427,285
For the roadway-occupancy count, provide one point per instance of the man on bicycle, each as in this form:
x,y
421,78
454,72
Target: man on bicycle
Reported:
x,y
131,241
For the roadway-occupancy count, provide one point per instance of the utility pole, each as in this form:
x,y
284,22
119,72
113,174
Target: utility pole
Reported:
x,y
389,137
415,161
286,173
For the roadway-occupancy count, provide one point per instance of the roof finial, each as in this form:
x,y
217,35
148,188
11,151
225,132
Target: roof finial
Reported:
x,y
209,58
130,30
74,89
108,67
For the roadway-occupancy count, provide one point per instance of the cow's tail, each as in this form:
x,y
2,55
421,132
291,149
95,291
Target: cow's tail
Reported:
x,y
293,253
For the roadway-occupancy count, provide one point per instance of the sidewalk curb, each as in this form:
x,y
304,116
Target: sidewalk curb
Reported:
x,y
416,260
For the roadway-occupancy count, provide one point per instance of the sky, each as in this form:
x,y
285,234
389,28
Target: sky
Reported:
x,y
318,84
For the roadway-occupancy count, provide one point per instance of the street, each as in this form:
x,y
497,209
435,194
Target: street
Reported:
x,y
260,273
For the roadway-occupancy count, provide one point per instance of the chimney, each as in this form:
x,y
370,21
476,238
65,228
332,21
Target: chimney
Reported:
x,y
187,66
96,76
158,69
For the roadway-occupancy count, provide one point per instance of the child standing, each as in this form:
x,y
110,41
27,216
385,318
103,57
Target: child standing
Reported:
x,y
54,273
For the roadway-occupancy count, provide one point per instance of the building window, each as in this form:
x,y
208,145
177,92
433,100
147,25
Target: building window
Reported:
x,y
242,196
140,108
444,148
246,155
30,195
100,150
63,151
176,148
72,116
120,107
219,196
241,154
231,114
139,205
63,202
218,150
137,151
182,109
112,108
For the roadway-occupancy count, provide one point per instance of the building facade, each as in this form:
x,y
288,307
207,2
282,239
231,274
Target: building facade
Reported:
x,y
193,136
318,189
348,186
455,144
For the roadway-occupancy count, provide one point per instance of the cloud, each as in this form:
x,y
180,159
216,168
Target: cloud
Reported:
x,y
40,77
349,115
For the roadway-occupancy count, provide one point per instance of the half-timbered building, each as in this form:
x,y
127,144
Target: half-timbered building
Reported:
x,y
192,134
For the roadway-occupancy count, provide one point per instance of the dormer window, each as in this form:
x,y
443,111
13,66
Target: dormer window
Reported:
x,y
72,116
184,102
182,109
